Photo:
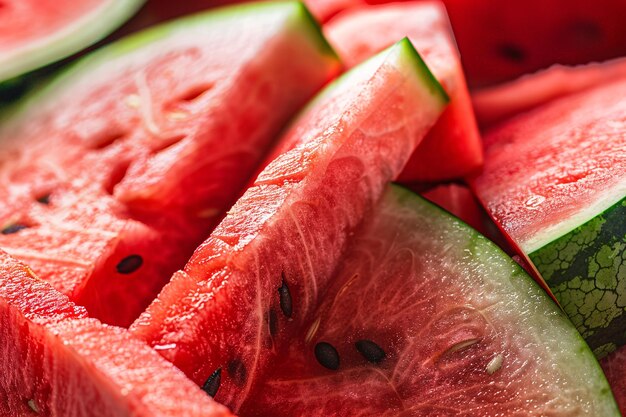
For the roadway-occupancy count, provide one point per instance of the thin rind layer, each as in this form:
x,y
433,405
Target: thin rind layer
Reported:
x,y
290,226
464,330
57,362
586,271
72,38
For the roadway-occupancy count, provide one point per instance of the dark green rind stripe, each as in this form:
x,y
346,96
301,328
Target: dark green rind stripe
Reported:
x,y
586,270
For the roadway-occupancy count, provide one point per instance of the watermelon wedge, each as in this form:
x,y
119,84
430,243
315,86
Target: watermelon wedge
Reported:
x,y
453,148
425,317
57,362
122,166
494,104
261,272
36,33
555,182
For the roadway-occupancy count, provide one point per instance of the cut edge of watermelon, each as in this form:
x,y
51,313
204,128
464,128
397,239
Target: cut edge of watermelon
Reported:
x,y
84,32
129,44
604,201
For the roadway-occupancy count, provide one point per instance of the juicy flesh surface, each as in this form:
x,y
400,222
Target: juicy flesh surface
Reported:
x,y
142,153
26,21
57,362
614,367
465,332
453,147
495,104
552,169
291,225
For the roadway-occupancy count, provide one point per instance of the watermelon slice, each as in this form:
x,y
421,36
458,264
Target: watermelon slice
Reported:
x,y
555,181
426,317
453,148
263,269
115,173
57,362
38,32
498,103
502,40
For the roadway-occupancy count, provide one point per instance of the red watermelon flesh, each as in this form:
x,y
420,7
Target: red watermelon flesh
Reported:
x,y
453,147
262,270
458,200
495,104
116,172
38,32
58,362
614,366
425,317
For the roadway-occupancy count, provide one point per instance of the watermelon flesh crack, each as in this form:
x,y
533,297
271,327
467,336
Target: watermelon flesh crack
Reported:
x,y
135,154
555,182
463,331
58,362
453,148
261,272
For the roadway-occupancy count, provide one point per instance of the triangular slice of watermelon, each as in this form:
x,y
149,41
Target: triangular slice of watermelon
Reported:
x,y
121,167
426,317
453,148
57,362
263,270
38,32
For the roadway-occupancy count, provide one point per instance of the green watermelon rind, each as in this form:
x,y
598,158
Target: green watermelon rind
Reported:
x,y
78,35
586,270
489,252
301,21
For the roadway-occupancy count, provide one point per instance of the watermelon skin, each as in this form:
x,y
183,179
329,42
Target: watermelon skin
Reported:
x,y
464,330
58,362
555,181
39,32
495,104
453,148
139,149
262,270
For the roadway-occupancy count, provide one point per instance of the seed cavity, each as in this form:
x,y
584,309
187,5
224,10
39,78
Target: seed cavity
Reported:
x,y
44,199
33,406
272,321
512,52
237,371
461,345
129,264
495,364
327,355
285,298
370,351
13,228
212,384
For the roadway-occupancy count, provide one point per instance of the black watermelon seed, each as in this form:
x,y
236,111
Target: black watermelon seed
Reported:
x,y
129,264
273,322
370,351
212,384
327,355
44,199
285,298
13,228
237,371
512,52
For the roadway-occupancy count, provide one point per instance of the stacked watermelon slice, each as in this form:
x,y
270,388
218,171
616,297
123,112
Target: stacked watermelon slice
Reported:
x,y
317,288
